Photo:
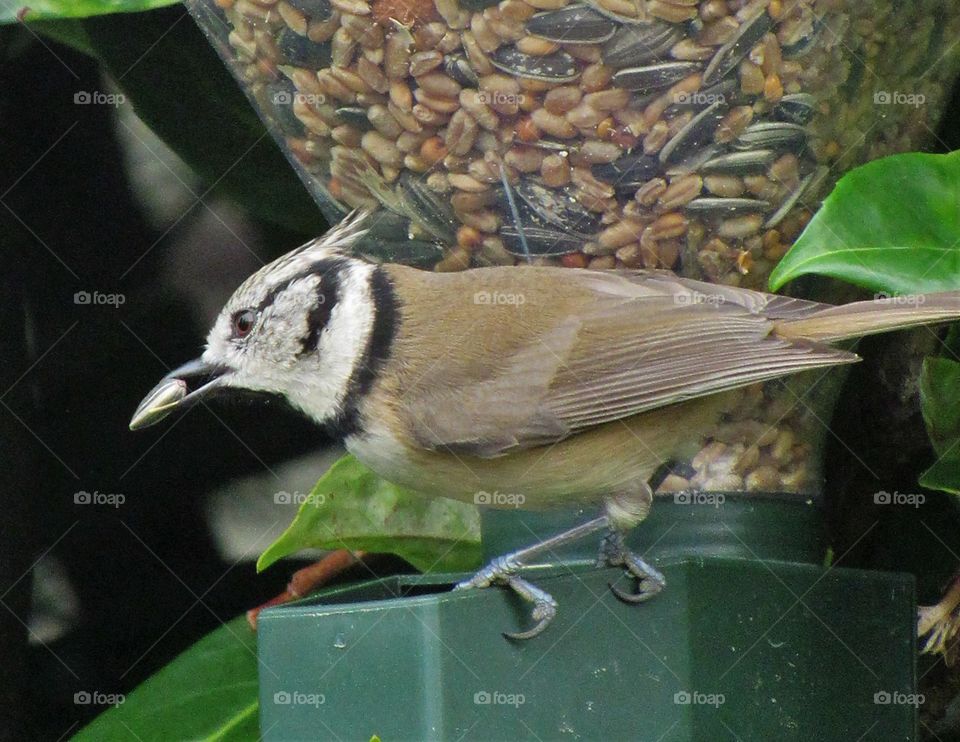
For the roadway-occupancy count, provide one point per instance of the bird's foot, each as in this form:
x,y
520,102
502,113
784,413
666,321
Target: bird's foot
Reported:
x,y
614,553
941,623
503,571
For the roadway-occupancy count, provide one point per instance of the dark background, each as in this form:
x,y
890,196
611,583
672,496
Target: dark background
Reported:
x,y
148,578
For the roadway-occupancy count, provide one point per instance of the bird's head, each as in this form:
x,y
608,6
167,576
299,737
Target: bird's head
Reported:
x,y
310,326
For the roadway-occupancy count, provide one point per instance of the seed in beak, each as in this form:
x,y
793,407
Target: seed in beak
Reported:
x,y
159,403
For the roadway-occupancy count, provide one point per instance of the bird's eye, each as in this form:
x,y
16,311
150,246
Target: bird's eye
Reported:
x,y
243,322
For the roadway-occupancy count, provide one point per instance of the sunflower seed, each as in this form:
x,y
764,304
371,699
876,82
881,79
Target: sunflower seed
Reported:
x,y
772,135
556,67
628,172
457,67
729,55
575,24
557,207
695,135
796,109
727,207
740,163
634,45
653,77
792,200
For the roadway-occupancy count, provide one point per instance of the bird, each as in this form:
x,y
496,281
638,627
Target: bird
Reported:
x,y
570,385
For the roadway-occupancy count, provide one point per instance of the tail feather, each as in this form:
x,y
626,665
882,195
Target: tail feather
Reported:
x,y
871,317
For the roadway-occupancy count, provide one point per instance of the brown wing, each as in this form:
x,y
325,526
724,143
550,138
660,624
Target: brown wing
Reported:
x,y
619,344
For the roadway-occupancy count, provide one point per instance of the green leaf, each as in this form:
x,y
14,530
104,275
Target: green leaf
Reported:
x,y
207,693
891,225
38,9
68,32
353,508
940,402
944,475
940,405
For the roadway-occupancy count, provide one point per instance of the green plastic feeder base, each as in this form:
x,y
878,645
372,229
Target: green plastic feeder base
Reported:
x,y
745,643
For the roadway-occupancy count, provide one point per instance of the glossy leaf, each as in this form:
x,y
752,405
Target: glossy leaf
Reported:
x,y
37,9
940,403
892,225
353,508
207,693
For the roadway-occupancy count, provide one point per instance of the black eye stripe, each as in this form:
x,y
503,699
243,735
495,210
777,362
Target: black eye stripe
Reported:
x,y
326,269
328,294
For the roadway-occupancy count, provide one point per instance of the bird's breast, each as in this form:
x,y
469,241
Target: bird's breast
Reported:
x,y
578,470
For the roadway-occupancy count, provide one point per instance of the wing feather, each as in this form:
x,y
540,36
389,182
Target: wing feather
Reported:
x,y
632,342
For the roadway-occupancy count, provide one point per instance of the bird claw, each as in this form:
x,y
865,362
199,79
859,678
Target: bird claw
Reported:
x,y
544,608
941,623
650,581
502,571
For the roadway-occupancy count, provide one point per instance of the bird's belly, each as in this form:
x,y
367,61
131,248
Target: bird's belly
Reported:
x,y
582,469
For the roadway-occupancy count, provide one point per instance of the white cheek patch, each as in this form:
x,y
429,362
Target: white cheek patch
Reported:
x,y
341,347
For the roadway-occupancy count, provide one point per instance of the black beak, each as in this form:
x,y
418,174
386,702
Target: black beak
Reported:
x,y
178,390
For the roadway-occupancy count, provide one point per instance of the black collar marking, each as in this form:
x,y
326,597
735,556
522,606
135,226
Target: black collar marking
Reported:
x,y
377,351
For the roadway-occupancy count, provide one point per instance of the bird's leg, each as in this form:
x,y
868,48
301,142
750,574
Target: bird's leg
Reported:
x,y
624,512
503,571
